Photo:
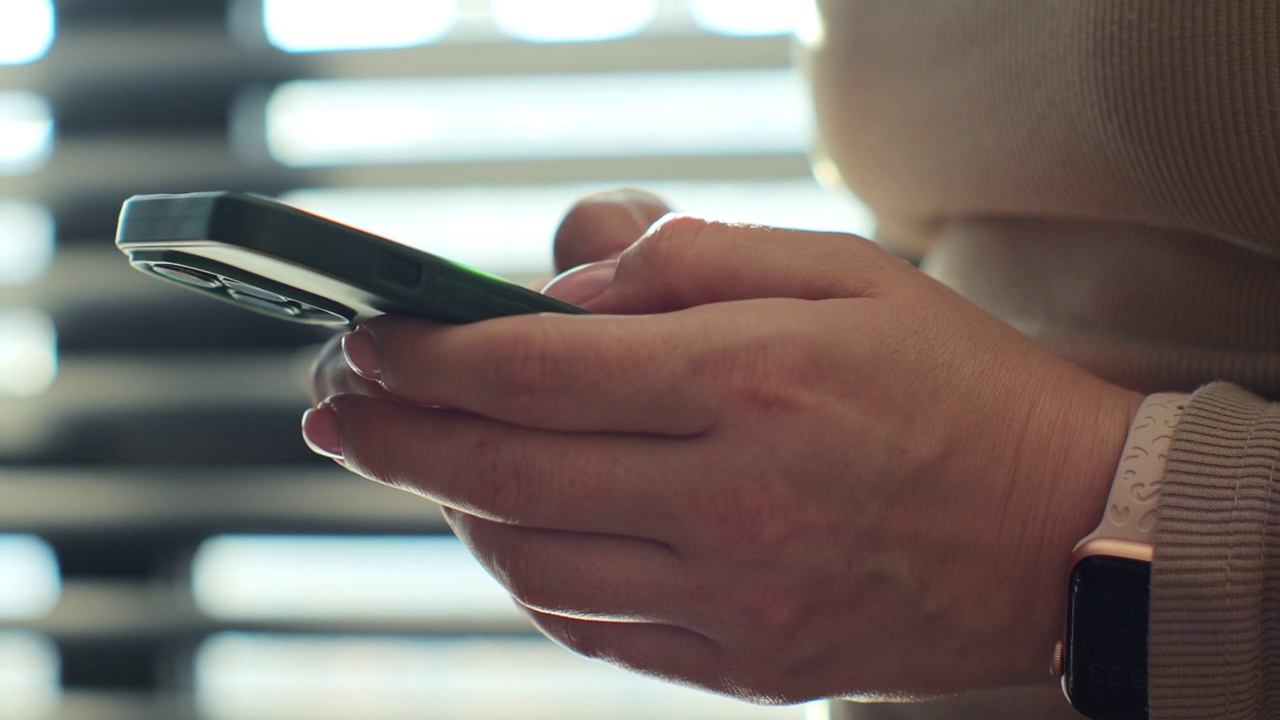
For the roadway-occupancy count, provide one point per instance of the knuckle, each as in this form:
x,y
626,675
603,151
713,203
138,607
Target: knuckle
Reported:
x,y
760,384
676,236
530,585
770,376
667,246
527,367
750,519
382,458
500,472
761,531
774,612
378,458
681,229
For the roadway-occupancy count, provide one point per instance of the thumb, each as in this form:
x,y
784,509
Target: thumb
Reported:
x,y
601,226
683,261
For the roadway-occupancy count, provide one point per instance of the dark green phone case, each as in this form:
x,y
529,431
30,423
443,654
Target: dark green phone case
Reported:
x,y
273,258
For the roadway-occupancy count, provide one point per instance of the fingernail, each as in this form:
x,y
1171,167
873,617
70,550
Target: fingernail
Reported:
x,y
583,283
322,432
362,353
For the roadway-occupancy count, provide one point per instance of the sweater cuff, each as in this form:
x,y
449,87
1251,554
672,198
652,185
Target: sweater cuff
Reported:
x,y
1215,588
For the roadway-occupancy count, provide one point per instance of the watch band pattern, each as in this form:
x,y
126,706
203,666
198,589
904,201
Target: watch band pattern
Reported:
x,y
1135,492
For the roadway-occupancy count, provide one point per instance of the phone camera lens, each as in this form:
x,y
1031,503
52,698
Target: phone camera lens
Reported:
x,y
186,275
280,305
275,307
319,316
239,290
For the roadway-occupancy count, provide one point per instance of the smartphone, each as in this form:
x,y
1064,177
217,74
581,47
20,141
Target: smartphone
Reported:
x,y
269,257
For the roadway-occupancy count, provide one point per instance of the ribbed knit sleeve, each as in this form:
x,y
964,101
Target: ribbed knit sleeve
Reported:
x,y
1215,597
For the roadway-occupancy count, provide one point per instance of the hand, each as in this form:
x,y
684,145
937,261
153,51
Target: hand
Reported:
x,y
587,245
787,466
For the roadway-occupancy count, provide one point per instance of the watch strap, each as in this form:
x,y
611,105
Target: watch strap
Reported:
x,y
1135,491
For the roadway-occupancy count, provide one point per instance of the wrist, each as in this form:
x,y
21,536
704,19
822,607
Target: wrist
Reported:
x,y
1079,439
1102,657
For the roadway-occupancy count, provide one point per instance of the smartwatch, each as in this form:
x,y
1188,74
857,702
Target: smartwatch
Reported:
x,y
1102,658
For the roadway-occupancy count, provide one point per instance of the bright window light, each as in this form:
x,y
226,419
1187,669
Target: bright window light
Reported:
x,y
29,584
321,122
257,577
810,29
26,31
756,17
461,222
318,25
281,678
572,20
28,352
26,132
26,242
29,675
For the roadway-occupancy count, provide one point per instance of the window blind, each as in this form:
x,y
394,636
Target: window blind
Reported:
x,y
168,546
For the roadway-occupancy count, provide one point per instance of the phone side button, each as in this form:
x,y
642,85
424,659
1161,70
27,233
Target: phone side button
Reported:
x,y
398,271
463,294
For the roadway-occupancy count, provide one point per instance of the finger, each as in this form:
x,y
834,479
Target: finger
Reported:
x,y
664,651
331,374
602,225
682,262
585,483
590,576
650,374
654,374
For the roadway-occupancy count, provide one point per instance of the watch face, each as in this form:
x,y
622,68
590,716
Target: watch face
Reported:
x,y
1106,651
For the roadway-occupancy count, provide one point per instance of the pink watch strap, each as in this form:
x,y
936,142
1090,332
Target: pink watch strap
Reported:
x,y
1135,492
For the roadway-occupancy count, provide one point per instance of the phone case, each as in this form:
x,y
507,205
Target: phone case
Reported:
x,y
269,257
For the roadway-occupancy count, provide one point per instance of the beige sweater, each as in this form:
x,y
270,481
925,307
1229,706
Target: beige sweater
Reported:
x,y
1104,175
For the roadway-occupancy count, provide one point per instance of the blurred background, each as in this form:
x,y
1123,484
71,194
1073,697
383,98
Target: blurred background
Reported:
x,y
168,546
